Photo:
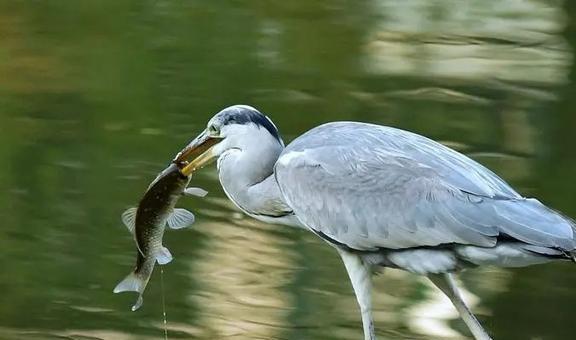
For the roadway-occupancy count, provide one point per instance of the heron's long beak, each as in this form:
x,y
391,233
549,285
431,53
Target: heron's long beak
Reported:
x,y
197,154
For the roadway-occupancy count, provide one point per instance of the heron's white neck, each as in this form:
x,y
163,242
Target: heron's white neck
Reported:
x,y
247,176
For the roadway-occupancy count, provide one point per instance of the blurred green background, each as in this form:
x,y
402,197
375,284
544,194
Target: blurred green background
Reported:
x,y
97,96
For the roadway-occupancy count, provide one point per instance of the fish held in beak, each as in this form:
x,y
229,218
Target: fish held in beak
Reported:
x,y
148,221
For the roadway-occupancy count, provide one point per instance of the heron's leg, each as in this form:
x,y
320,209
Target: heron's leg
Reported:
x,y
445,282
361,278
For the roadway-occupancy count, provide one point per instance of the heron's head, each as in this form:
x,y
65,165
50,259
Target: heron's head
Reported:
x,y
234,129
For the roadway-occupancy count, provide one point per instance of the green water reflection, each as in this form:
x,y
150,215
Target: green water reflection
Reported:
x,y
96,97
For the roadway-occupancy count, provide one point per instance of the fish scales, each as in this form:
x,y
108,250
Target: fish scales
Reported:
x,y
155,207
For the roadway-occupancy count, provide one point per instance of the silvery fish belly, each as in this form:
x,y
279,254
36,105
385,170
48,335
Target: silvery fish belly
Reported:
x,y
147,223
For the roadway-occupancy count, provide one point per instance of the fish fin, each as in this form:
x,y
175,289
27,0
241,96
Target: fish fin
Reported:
x,y
198,192
131,283
163,256
129,218
138,303
180,218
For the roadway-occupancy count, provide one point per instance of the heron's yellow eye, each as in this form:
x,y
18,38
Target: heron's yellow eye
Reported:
x,y
213,130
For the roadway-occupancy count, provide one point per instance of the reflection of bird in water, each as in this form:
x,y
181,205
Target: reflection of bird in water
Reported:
x,y
382,197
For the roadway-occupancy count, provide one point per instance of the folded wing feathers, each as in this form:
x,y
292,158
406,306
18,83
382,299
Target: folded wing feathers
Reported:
x,y
410,204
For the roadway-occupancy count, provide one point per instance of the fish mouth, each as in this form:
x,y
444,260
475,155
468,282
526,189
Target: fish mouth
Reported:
x,y
196,154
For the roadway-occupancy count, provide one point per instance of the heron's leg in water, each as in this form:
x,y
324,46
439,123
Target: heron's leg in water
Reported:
x,y
361,278
445,282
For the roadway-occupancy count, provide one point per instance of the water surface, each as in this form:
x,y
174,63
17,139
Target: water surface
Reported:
x,y
96,98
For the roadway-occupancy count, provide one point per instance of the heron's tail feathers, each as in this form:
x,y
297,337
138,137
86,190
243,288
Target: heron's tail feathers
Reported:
x,y
532,222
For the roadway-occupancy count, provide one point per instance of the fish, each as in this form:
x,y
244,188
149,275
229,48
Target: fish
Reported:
x,y
148,221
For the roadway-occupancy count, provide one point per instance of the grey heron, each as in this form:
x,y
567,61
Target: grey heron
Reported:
x,y
382,197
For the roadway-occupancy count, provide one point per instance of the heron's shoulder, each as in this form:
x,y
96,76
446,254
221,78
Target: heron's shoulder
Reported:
x,y
350,134
337,145
369,142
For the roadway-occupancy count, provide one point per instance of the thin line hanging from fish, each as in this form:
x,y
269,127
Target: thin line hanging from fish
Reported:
x,y
148,221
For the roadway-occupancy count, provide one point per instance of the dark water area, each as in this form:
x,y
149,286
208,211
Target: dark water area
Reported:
x,y
97,97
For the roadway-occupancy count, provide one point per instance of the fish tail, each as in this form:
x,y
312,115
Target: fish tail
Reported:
x,y
138,303
132,283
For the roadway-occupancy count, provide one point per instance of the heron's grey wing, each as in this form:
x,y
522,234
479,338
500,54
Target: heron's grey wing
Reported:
x,y
369,195
371,140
